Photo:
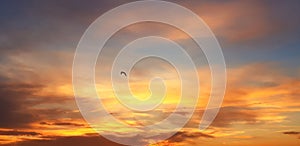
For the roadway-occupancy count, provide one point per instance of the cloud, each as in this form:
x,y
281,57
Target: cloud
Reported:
x,y
68,141
255,21
63,124
20,105
13,105
19,133
291,132
184,135
36,59
241,21
230,115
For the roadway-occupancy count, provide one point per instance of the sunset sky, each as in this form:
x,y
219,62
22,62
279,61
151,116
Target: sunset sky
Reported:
x,y
261,47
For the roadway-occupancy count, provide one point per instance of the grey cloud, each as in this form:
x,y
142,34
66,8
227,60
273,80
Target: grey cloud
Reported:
x,y
19,133
12,108
62,124
183,136
68,141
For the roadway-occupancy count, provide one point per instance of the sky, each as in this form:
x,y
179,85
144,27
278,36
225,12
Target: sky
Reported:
x,y
261,47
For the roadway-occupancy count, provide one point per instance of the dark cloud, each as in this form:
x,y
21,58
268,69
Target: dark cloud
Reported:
x,y
62,124
184,135
68,141
19,106
19,133
257,20
13,107
27,26
228,115
291,133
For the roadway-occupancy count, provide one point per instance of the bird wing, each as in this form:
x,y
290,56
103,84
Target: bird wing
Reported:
x,y
122,72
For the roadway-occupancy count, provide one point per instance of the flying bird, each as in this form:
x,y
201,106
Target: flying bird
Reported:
x,y
123,73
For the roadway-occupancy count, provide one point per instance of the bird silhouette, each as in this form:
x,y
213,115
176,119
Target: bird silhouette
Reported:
x,y
123,73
